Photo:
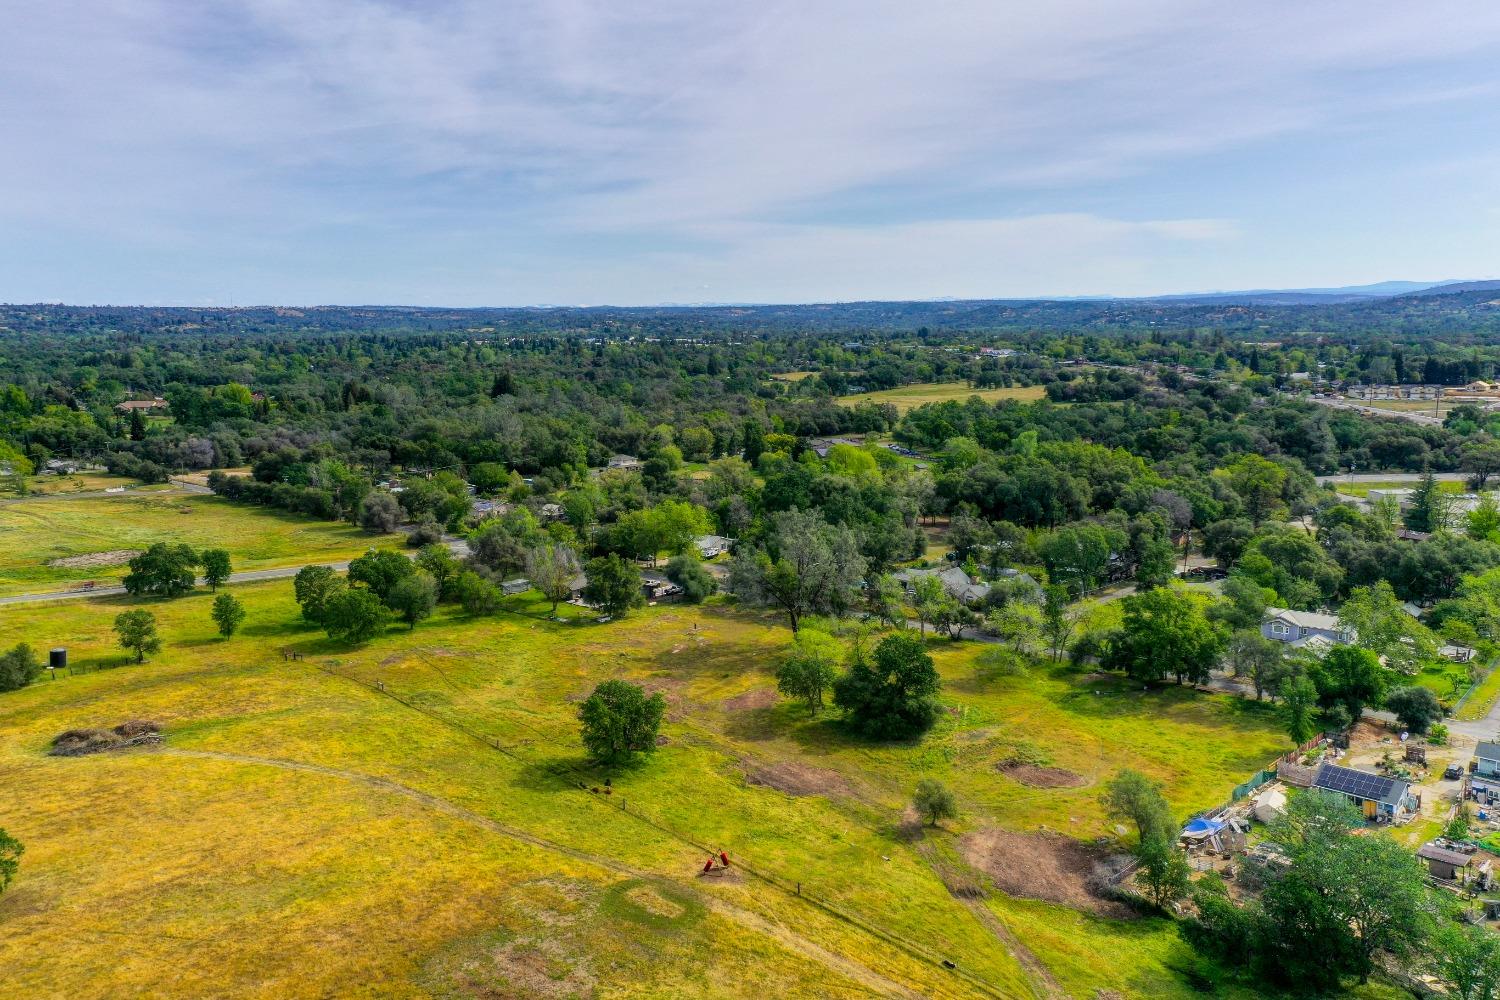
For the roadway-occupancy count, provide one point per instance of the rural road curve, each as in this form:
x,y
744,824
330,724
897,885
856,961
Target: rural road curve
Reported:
x,y
459,546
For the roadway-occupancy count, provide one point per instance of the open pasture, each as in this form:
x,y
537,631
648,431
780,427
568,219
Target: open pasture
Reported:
x,y
88,538
415,803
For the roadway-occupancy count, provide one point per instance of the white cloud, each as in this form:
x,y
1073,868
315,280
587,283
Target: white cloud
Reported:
x,y
732,130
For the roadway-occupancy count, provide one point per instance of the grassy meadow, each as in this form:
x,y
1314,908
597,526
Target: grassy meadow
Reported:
x,y
302,833
35,532
909,397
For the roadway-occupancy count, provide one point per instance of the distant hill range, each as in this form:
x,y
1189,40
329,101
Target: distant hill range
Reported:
x,y
1325,296
1390,307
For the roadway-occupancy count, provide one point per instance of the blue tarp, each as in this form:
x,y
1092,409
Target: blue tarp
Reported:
x,y
1202,827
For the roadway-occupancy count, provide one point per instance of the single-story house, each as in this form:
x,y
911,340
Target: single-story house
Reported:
x,y
141,404
958,584
1298,628
1456,653
1382,798
489,508
711,546
553,512
1444,862
517,586
1487,759
625,462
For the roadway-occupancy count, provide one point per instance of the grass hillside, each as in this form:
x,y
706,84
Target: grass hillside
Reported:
x,y
34,533
303,832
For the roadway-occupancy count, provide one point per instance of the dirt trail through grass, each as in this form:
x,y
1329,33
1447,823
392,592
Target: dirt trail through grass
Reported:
x,y
1043,984
754,921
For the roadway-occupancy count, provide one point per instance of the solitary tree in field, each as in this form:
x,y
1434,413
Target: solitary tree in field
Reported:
x,y
11,850
228,613
216,568
809,668
934,801
137,633
618,721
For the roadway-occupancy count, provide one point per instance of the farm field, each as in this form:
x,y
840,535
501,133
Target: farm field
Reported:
x,y
303,832
909,397
36,532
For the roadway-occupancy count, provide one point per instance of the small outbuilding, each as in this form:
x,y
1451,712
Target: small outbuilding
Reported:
x,y
1443,862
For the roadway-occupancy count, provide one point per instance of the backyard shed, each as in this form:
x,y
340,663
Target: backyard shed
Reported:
x,y
1444,862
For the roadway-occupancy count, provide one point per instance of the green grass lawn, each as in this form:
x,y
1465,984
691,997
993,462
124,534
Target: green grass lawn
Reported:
x,y
304,834
1483,698
910,396
35,532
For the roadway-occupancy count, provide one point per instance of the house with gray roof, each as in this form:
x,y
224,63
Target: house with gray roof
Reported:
x,y
958,584
1299,629
1487,759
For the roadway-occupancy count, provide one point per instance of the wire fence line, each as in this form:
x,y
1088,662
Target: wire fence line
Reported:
x,y
572,776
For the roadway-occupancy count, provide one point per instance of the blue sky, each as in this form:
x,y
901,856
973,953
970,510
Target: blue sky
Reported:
x,y
572,152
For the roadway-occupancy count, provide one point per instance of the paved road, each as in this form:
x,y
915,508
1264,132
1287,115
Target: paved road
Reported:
x,y
459,546
1415,416
1390,477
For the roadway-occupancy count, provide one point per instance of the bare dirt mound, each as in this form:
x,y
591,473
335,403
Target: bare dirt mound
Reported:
x,y
95,560
1041,777
752,699
1045,866
798,779
81,742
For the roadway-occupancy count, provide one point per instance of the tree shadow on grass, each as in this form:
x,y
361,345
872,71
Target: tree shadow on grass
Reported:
x,y
561,772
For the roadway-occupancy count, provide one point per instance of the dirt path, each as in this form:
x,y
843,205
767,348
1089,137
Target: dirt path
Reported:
x,y
1043,984
866,977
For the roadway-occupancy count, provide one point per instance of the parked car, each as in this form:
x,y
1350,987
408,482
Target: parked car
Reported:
x,y
1453,772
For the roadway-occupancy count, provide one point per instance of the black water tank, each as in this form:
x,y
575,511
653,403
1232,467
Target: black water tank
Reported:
x,y
59,658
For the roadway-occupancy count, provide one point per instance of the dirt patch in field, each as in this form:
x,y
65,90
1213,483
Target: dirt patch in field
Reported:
x,y
1041,777
1045,866
523,969
798,779
752,699
81,742
95,560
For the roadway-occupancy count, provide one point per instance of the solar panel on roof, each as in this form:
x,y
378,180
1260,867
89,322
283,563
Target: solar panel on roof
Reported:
x,y
1356,783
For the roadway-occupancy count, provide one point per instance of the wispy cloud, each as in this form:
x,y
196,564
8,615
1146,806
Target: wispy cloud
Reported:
x,y
763,150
